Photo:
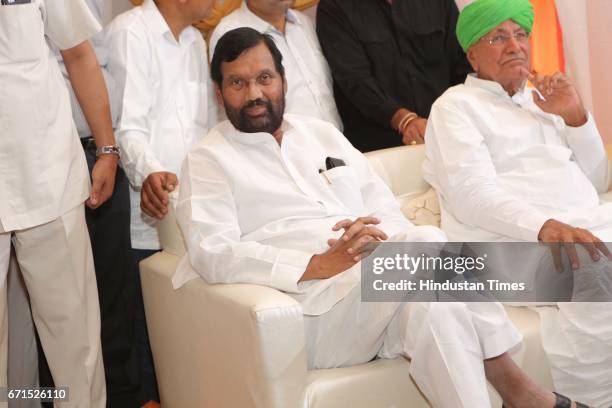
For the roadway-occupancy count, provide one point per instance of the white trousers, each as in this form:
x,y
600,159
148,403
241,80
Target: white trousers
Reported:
x,y
57,266
22,349
446,342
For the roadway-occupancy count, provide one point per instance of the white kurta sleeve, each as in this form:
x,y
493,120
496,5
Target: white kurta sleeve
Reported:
x,y
68,22
207,215
129,61
467,180
590,154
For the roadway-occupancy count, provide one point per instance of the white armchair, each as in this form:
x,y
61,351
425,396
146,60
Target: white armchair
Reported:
x,y
243,345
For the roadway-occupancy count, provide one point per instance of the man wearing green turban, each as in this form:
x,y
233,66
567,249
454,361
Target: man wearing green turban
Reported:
x,y
511,163
480,17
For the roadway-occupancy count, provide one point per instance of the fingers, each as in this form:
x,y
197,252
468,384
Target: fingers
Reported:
x,y
593,245
567,236
547,84
148,207
170,182
156,183
603,249
556,256
358,244
592,250
358,226
107,188
150,201
537,99
415,132
94,197
570,250
346,223
342,224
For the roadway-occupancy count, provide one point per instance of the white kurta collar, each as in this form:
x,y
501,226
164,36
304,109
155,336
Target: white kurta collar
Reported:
x,y
522,97
473,81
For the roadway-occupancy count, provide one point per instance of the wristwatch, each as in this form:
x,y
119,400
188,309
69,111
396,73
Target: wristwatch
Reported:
x,y
111,149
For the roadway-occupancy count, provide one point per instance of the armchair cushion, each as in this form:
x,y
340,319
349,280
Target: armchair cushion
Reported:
x,y
423,209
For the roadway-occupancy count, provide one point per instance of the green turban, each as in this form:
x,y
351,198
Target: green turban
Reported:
x,y
481,16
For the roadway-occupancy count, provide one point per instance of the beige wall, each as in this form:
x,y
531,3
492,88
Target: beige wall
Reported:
x,y
599,14
588,51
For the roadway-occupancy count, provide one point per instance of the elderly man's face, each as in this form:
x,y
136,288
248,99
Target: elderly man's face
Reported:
x,y
253,91
270,6
502,56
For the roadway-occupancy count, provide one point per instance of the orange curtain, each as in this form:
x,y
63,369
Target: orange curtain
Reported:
x,y
223,8
547,54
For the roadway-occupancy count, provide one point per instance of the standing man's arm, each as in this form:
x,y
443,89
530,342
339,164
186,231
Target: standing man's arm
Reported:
x,y
88,84
129,63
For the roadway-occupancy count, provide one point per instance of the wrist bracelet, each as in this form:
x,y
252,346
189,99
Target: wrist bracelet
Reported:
x,y
406,121
110,149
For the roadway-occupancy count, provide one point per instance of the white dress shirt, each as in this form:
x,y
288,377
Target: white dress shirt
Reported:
x,y
310,87
252,211
167,101
44,174
503,167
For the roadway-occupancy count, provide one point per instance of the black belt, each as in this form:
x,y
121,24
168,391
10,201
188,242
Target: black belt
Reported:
x,y
88,143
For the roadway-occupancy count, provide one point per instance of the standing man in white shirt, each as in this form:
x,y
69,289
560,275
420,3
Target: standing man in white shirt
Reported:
x,y
310,87
44,184
161,68
516,164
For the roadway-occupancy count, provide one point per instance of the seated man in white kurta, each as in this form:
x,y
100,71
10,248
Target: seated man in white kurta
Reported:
x,y
515,164
254,208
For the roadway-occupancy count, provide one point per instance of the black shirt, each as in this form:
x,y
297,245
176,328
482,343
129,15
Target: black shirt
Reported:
x,y
384,57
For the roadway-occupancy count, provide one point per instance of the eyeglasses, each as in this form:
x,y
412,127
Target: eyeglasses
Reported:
x,y
501,40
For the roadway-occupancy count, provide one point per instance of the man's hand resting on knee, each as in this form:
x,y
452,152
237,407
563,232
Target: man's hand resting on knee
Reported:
x,y
346,251
561,236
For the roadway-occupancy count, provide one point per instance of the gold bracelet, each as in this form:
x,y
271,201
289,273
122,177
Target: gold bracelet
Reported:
x,y
406,121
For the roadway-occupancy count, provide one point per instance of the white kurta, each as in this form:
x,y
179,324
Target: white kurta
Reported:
x,y
309,81
233,235
502,167
167,101
255,212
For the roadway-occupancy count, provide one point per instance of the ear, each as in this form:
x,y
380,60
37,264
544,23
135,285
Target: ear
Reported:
x,y
472,58
285,86
219,96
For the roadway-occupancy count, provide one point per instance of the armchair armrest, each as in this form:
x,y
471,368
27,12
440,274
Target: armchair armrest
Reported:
x,y
253,335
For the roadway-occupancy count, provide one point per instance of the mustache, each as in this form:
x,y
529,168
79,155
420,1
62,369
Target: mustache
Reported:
x,y
257,102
